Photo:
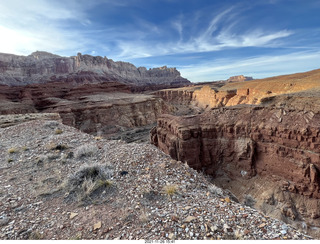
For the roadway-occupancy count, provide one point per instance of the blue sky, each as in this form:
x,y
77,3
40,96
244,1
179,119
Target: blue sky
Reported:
x,y
205,40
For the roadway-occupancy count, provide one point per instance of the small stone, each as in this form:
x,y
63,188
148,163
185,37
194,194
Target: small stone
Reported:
x,y
283,232
174,218
189,219
171,236
4,221
72,215
262,225
191,234
97,226
227,199
213,228
162,165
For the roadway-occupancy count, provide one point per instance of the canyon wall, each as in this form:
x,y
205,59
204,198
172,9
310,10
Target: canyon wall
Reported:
x,y
103,108
244,142
217,94
42,67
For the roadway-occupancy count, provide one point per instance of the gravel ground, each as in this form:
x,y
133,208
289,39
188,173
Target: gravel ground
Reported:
x,y
59,183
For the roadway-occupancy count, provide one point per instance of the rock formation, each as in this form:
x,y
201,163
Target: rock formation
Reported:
x,y
249,92
261,135
246,142
90,93
103,108
43,67
239,78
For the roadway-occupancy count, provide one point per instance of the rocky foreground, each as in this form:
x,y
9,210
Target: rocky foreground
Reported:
x,y
59,183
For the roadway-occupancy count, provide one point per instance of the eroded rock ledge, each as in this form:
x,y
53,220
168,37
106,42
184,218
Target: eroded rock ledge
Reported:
x,y
245,142
44,67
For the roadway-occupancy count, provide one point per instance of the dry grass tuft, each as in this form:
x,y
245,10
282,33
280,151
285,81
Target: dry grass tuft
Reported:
x,y
86,150
58,131
12,150
170,190
89,180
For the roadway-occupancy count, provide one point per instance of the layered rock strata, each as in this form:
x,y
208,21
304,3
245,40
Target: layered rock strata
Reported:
x,y
245,142
219,94
103,108
43,67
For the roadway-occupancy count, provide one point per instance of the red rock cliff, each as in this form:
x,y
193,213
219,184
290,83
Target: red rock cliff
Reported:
x,y
244,142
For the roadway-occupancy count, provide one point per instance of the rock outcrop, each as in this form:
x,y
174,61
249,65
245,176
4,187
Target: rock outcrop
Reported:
x,y
239,78
15,119
258,138
104,108
278,146
43,67
246,142
216,95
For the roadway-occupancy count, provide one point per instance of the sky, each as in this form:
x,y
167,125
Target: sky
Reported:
x,y
205,40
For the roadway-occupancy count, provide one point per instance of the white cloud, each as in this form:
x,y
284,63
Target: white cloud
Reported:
x,y
222,32
40,25
258,67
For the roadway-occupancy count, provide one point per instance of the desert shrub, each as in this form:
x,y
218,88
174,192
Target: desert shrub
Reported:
x,y
35,235
24,148
58,131
89,180
54,146
12,150
40,160
85,150
170,190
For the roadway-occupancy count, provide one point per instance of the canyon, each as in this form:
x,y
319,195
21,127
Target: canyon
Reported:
x,y
94,94
259,139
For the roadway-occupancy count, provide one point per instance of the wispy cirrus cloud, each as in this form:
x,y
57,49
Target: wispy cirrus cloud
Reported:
x,y
222,32
258,67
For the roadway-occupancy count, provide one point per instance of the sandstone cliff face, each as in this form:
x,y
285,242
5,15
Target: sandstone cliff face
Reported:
x,y
181,96
244,142
103,109
42,67
247,92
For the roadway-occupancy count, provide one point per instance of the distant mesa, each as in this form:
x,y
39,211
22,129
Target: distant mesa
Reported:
x,y
44,67
239,78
